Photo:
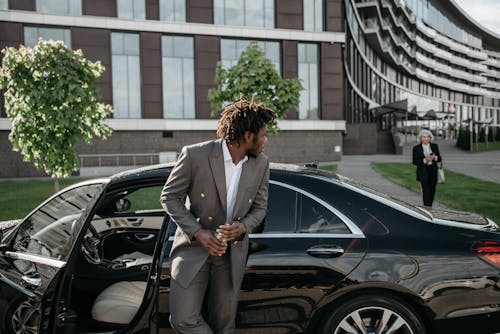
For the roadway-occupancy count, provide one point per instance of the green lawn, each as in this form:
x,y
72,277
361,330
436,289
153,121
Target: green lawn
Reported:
x,y
460,191
481,147
18,198
330,168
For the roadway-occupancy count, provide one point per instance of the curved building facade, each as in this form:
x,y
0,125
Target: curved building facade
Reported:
x,y
416,56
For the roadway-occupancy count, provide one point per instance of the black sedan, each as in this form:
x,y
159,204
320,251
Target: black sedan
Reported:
x,y
331,257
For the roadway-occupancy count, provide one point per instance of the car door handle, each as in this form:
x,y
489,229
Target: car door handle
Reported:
x,y
32,281
144,237
135,221
325,251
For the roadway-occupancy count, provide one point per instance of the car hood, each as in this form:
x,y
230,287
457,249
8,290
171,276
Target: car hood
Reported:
x,y
461,218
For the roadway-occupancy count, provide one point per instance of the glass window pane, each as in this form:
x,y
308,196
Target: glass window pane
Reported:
x,y
134,87
4,4
117,44
75,7
178,77
219,12
308,15
172,91
32,35
183,47
188,85
180,10
315,218
131,44
125,9
126,75
256,13
269,13
234,13
51,230
318,15
281,210
139,9
120,86
253,13
309,74
173,10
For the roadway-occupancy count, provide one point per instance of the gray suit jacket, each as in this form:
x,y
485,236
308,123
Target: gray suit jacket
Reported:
x,y
199,174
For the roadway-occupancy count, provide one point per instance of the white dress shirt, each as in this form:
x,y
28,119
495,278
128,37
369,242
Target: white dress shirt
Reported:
x,y
427,151
233,174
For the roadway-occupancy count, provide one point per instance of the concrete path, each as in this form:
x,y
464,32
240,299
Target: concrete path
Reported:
x,y
485,166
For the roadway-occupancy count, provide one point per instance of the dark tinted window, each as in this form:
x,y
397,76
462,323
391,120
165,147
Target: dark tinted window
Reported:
x,y
51,229
316,218
282,206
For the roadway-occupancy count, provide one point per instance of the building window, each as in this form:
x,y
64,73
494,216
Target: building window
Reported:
x,y
313,15
4,4
308,73
61,7
231,49
173,10
131,9
253,13
178,77
33,34
126,75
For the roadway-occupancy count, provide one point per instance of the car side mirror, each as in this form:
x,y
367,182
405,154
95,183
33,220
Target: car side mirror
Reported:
x,y
123,204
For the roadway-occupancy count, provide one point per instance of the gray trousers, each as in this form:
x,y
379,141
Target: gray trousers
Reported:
x,y
213,278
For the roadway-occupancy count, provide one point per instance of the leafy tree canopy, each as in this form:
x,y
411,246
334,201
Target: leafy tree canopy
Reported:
x,y
254,74
52,100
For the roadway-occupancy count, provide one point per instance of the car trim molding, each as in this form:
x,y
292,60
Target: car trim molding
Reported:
x,y
36,259
291,235
350,224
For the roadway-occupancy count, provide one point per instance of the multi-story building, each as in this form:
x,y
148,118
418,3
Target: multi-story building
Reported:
x,y
355,58
405,58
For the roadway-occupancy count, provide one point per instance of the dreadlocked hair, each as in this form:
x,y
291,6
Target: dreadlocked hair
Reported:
x,y
243,116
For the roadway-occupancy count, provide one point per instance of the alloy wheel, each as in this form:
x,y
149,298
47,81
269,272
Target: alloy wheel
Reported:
x,y
373,320
25,319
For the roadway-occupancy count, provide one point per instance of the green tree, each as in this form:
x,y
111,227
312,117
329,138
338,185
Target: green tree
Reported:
x,y
255,74
51,98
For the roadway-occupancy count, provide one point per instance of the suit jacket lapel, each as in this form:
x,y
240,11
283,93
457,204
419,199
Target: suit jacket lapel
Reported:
x,y
217,165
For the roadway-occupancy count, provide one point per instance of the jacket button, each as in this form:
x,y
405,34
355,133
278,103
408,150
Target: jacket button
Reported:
x,y
250,201
202,195
210,218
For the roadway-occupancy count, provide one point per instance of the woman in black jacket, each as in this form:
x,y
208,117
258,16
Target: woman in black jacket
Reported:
x,y
426,156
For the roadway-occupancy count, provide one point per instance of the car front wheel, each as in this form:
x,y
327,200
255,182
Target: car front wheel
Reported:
x,y
373,314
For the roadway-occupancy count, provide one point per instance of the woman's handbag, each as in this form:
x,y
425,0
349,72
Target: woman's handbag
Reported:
x,y
441,178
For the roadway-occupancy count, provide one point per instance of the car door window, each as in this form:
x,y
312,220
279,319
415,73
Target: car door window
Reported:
x,y
316,218
50,230
281,211
145,199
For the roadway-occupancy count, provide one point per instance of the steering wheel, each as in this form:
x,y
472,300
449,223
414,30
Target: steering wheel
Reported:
x,y
92,246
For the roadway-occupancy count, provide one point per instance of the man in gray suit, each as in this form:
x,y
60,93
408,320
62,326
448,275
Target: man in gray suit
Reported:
x,y
226,184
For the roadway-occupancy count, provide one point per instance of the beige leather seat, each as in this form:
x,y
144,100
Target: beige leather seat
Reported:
x,y
119,302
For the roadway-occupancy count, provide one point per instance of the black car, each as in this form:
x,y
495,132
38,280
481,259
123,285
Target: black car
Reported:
x,y
332,256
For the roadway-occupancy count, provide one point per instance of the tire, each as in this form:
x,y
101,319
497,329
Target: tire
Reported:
x,y
374,314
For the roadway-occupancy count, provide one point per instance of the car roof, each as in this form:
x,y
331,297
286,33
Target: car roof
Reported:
x,y
161,171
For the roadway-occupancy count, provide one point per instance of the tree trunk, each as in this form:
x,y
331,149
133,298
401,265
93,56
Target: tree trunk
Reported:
x,y
56,185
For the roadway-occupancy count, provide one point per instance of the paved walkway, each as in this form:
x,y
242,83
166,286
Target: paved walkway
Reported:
x,y
484,165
